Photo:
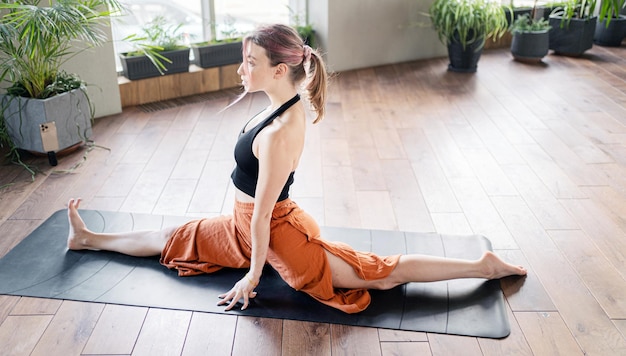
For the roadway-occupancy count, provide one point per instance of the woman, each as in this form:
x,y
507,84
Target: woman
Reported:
x,y
268,227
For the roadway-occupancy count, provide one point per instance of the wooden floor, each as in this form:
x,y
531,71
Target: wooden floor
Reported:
x,y
532,156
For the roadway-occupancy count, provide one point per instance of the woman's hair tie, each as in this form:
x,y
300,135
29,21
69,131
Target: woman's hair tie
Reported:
x,y
306,53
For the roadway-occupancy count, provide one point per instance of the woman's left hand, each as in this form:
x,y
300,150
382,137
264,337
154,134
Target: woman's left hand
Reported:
x,y
242,289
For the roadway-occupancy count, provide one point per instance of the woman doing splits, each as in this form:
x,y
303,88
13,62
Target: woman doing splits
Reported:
x,y
266,225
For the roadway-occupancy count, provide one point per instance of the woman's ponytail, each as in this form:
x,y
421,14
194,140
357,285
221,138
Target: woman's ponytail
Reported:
x,y
316,85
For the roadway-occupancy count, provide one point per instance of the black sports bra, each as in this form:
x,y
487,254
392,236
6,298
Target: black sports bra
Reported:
x,y
246,173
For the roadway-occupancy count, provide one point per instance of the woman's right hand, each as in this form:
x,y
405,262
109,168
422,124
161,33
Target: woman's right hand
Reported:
x,y
242,289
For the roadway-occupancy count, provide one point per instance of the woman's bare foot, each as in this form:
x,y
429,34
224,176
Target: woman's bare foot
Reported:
x,y
494,267
76,239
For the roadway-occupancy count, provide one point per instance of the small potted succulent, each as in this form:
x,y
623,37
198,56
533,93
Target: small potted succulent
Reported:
x,y
530,42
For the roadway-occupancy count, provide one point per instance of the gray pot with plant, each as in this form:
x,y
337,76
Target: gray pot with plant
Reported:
x,y
464,25
44,109
219,52
611,26
573,26
159,51
530,42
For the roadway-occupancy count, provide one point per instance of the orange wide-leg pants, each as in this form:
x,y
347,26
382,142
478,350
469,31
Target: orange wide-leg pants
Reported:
x,y
296,252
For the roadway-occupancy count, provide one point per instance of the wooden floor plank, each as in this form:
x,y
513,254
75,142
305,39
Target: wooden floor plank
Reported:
x,y
210,334
389,335
548,334
19,334
606,234
442,344
119,323
260,336
69,329
163,332
405,348
305,338
7,302
602,279
354,340
36,306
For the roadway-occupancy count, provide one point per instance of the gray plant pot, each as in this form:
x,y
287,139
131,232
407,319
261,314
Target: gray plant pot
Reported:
x,y
573,38
216,55
613,35
140,67
530,47
61,121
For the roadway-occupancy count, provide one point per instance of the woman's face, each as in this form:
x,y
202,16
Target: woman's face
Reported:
x,y
255,71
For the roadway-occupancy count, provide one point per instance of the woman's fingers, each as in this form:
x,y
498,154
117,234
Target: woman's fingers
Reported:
x,y
234,296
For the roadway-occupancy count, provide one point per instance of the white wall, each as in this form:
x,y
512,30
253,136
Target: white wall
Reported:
x,y
96,66
364,33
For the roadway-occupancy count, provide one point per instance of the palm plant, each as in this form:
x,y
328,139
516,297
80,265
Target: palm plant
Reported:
x,y
35,41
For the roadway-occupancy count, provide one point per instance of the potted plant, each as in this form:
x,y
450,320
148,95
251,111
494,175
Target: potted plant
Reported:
x,y
159,51
44,109
611,26
219,52
464,25
573,26
530,37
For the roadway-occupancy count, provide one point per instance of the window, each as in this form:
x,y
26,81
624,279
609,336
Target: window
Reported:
x,y
200,20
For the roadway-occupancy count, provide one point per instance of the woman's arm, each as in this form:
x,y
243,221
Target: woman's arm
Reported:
x,y
277,153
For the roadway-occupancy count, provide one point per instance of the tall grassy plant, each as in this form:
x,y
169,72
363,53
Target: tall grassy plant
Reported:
x,y
610,9
35,41
575,9
468,21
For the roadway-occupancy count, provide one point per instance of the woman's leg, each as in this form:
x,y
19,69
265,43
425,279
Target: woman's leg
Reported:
x,y
136,243
422,268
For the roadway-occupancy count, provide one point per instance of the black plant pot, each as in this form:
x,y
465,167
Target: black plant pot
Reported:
x,y
140,67
464,60
530,46
216,55
573,38
613,35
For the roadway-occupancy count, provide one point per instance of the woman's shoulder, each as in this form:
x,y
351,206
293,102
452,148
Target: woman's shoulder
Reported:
x,y
288,123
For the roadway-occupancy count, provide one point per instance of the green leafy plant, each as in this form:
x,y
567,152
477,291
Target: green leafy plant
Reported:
x,y
35,41
610,9
530,22
159,35
468,21
575,9
525,23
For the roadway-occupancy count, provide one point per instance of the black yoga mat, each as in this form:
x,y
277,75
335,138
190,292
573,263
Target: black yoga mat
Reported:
x,y
41,266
